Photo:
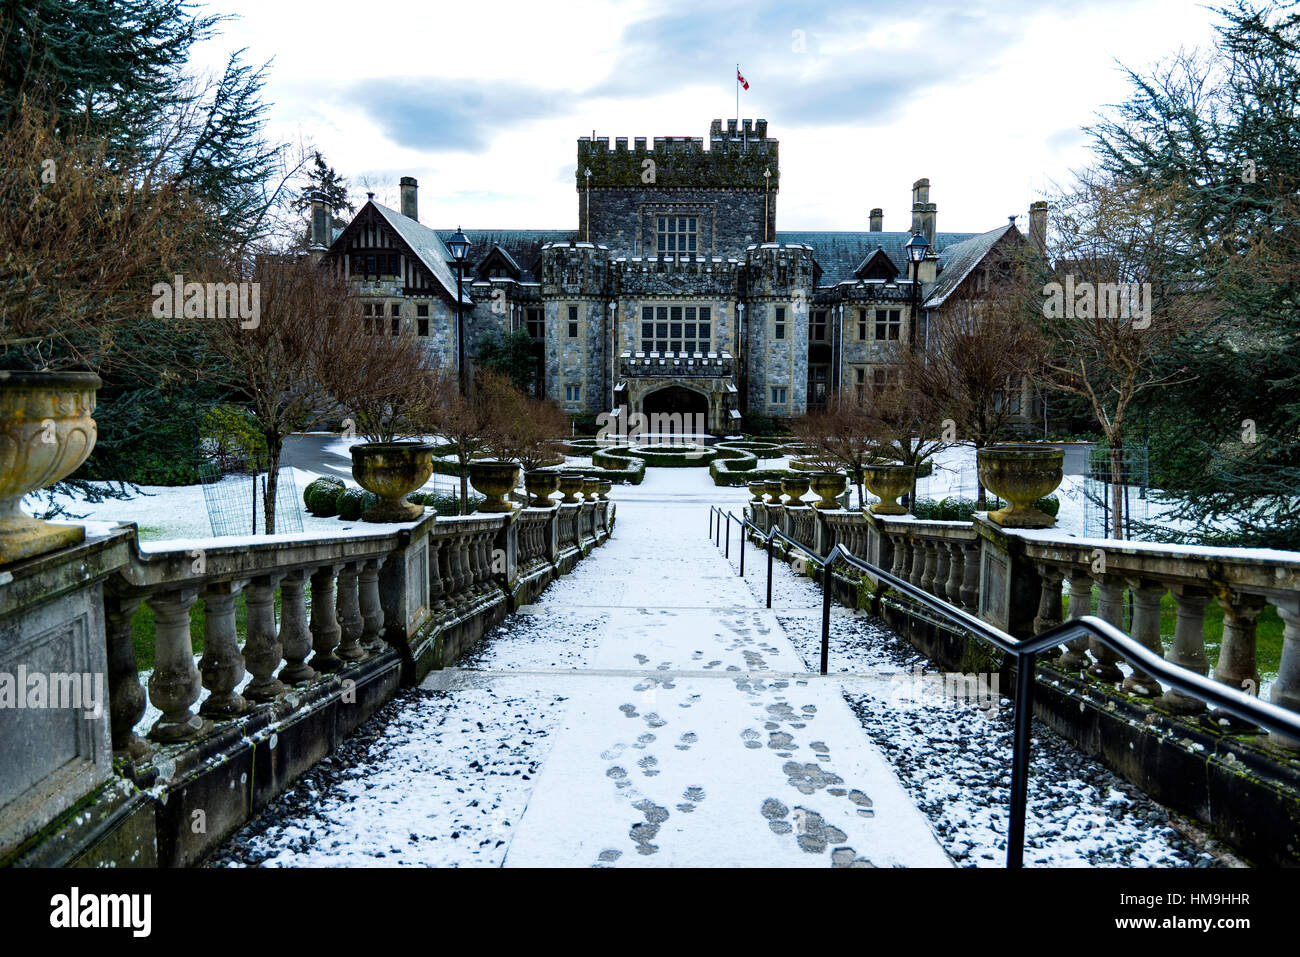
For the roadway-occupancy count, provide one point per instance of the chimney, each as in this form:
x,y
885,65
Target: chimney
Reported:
x,y
877,219
1038,224
322,223
410,198
928,213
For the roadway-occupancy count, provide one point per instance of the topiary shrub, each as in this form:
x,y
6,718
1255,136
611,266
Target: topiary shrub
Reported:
x,y
351,502
444,504
321,496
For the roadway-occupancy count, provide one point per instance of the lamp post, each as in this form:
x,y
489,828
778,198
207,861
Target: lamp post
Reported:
x,y
459,245
916,249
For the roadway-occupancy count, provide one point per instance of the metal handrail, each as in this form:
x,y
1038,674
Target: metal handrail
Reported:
x,y
1223,697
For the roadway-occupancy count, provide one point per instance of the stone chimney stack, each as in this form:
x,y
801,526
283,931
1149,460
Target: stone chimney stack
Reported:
x,y
322,225
924,212
410,198
877,219
1038,224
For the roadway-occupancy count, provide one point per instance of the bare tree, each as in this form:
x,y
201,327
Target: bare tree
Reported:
x,y
841,436
1116,302
983,348
521,428
463,420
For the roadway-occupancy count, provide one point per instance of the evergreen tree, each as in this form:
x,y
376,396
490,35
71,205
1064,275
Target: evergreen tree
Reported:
x,y
321,179
1222,128
512,356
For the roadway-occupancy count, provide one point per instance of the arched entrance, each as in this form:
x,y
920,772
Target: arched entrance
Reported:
x,y
674,410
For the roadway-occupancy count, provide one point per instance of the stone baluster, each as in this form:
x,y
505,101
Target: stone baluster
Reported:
x,y
437,577
1187,650
372,610
174,685
262,648
1049,598
1237,666
126,699
1110,607
295,636
464,573
1286,689
956,570
222,665
348,609
970,582
926,581
1147,594
899,568
325,630
1075,656
941,560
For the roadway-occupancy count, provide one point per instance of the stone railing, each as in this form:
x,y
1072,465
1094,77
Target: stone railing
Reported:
x,y
331,627
697,364
1014,579
1247,786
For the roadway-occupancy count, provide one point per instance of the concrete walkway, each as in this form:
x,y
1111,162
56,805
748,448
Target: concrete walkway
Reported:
x,y
692,733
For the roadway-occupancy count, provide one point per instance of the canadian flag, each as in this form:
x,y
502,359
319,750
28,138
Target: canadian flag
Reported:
x,y
741,80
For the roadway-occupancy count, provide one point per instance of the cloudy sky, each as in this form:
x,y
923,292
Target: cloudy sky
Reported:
x,y
483,102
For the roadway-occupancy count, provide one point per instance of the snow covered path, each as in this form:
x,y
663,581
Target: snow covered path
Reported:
x,y
693,734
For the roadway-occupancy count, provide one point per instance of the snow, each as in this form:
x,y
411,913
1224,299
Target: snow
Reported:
x,y
648,710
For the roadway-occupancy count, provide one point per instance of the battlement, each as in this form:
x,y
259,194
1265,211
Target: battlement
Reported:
x,y
737,157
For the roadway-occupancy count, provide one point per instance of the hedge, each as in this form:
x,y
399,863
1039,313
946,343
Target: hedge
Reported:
x,y
351,502
963,509
444,504
321,496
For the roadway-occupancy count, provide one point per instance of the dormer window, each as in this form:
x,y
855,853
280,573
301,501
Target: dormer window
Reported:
x,y
678,234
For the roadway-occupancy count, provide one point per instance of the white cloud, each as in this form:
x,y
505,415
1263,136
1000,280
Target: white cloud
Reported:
x,y
485,105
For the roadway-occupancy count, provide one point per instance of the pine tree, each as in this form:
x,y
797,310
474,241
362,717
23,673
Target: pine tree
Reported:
x,y
321,179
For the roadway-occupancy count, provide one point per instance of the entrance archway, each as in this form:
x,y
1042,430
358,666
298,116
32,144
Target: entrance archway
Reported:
x,y
674,410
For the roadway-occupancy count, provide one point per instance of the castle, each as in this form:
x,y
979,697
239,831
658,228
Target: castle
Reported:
x,y
676,293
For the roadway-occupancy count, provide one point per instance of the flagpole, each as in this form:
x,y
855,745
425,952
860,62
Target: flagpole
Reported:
x,y
737,94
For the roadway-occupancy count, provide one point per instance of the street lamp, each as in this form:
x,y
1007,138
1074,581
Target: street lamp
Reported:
x,y
459,245
916,249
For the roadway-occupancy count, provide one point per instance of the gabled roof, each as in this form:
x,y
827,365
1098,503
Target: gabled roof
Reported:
x,y
524,246
840,253
498,254
962,258
426,245
874,260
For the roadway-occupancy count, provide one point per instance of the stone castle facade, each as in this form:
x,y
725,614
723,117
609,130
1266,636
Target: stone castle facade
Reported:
x,y
676,293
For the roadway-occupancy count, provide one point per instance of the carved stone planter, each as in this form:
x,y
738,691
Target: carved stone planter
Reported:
x,y
757,489
590,488
795,489
46,432
392,470
605,486
773,492
571,486
828,485
540,485
888,482
1021,474
495,480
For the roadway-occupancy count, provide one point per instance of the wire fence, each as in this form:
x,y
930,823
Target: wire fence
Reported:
x,y
234,500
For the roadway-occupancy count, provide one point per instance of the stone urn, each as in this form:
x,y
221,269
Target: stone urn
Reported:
x,y
1021,474
773,492
795,489
540,485
571,486
590,488
757,489
828,485
888,482
392,470
495,480
605,486
46,432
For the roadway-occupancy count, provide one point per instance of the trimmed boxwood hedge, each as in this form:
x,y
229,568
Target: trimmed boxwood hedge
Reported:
x,y
444,504
963,509
321,496
351,502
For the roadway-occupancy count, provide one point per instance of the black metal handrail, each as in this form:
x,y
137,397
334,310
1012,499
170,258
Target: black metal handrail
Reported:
x,y
1025,652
